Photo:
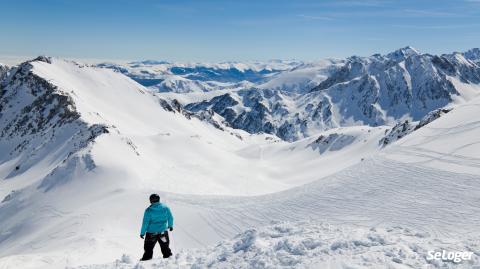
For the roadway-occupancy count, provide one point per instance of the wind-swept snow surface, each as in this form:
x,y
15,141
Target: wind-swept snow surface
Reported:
x,y
82,148
313,245
451,143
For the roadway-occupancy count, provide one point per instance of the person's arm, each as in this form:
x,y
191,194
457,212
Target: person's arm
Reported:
x,y
146,221
170,219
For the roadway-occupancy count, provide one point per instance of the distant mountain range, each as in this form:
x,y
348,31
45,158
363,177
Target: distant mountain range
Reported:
x,y
294,99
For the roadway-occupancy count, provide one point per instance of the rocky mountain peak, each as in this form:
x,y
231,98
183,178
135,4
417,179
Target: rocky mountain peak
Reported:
x,y
376,90
403,53
42,58
473,55
3,71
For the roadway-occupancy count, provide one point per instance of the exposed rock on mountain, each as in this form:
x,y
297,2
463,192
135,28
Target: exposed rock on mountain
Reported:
x,y
376,90
403,128
37,118
3,71
473,55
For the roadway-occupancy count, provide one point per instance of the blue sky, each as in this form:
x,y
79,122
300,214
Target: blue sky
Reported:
x,y
220,30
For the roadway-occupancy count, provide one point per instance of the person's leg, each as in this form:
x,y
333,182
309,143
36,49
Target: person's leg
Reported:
x,y
164,242
150,241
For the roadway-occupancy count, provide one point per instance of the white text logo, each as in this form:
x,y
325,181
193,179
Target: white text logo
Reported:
x,y
454,256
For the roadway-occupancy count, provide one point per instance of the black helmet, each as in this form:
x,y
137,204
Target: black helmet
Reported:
x,y
154,198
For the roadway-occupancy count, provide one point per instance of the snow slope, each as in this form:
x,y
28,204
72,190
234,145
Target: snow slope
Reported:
x,y
386,212
73,206
71,130
449,143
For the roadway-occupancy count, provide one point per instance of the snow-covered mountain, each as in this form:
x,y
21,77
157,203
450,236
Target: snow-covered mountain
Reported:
x,y
374,91
69,130
473,55
302,77
376,214
54,112
82,147
3,71
179,84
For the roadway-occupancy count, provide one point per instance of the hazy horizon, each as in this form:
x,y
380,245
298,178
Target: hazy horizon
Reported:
x,y
14,60
215,31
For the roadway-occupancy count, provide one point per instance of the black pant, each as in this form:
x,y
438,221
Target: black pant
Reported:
x,y
151,239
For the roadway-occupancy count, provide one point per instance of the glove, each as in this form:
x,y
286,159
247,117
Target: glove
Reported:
x,y
171,229
142,236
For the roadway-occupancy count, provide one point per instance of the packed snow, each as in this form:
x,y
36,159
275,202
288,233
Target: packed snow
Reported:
x,y
314,245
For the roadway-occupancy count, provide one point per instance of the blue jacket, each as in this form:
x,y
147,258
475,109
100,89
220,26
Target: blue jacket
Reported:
x,y
157,219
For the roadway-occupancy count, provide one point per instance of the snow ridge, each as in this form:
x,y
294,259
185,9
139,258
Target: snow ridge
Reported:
x,y
37,119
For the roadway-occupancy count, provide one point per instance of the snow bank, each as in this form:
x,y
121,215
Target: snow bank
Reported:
x,y
315,245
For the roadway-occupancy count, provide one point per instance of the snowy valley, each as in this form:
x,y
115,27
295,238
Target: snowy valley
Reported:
x,y
364,162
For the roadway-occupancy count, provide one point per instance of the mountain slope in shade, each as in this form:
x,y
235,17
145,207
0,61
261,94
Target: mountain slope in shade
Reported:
x,y
449,143
3,71
473,55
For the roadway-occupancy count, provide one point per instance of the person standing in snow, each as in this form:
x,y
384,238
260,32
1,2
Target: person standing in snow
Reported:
x,y
156,220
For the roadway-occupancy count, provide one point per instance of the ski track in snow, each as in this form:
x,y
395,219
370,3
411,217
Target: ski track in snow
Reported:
x,y
361,195
379,193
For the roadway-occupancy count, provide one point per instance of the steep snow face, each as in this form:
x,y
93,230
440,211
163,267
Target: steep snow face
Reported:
x,y
53,112
39,127
447,143
403,83
374,91
96,95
